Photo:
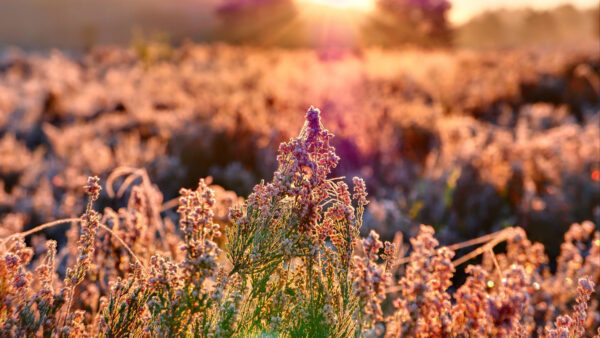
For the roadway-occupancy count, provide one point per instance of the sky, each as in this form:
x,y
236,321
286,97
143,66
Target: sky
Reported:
x,y
462,10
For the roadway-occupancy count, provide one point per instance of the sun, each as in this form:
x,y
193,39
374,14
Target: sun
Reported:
x,y
344,4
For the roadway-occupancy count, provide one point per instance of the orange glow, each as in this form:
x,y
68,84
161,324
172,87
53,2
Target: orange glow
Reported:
x,y
596,175
344,4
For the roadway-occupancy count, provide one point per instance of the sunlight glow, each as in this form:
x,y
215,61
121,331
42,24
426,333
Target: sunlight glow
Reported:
x,y
344,4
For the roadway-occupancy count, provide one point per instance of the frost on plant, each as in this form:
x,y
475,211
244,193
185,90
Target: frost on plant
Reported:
x,y
288,261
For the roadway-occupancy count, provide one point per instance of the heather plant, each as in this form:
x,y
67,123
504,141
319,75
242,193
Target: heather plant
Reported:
x,y
509,297
288,261
468,141
304,222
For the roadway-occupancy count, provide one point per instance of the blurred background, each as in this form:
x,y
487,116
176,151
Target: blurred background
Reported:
x,y
467,115
80,25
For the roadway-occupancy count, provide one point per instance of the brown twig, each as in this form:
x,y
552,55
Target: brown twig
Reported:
x,y
39,228
502,236
67,220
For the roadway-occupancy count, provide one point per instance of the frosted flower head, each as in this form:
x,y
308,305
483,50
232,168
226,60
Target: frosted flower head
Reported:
x,y
92,187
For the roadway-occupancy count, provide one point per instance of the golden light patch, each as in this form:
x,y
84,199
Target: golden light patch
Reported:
x,y
347,4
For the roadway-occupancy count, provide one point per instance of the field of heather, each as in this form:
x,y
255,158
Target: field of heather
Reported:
x,y
211,190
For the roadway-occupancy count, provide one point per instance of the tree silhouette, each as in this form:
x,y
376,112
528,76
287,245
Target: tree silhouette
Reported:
x,y
416,22
258,22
